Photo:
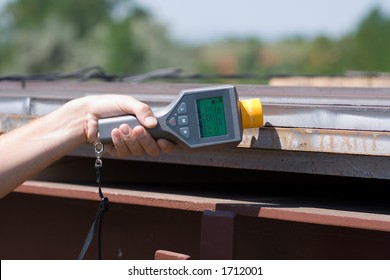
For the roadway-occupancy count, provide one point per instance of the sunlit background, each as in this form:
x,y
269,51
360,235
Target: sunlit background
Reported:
x,y
248,36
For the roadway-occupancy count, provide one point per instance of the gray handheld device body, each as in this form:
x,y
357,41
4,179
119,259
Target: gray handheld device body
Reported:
x,y
197,118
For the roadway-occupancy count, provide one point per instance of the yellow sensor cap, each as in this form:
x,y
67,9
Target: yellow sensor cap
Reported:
x,y
251,113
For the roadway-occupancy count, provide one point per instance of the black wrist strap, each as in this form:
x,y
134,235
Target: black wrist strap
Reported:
x,y
103,207
97,224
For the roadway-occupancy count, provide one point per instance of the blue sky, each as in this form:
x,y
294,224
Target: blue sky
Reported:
x,y
204,20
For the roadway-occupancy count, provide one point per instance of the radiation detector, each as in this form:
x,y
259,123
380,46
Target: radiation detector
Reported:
x,y
196,118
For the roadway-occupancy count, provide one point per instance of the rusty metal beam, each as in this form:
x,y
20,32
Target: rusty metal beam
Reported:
x,y
55,228
335,128
257,207
357,142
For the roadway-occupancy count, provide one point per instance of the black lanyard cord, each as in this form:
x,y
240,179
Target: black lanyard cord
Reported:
x,y
97,224
103,207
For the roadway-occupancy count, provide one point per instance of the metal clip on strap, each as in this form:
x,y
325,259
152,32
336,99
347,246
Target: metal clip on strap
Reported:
x,y
103,207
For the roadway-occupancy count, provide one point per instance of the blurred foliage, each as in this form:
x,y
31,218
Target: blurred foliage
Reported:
x,y
121,37
58,36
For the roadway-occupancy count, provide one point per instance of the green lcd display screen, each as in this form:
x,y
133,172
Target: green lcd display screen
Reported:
x,y
211,117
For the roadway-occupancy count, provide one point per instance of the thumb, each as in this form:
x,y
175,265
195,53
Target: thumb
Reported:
x,y
149,121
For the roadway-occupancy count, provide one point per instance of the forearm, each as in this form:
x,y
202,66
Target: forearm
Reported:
x,y
33,147
40,143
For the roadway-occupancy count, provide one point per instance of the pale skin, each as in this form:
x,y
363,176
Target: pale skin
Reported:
x,y
31,148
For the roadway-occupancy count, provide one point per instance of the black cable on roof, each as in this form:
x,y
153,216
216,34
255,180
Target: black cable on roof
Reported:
x,y
97,72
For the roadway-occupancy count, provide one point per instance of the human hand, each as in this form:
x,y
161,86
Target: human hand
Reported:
x,y
136,142
126,141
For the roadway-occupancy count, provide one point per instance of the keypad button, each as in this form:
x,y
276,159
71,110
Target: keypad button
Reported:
x,y
185,131
183,120
172,121
182,108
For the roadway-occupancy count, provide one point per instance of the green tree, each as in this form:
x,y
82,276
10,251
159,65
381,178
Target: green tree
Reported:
x,y
67,35
369,47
